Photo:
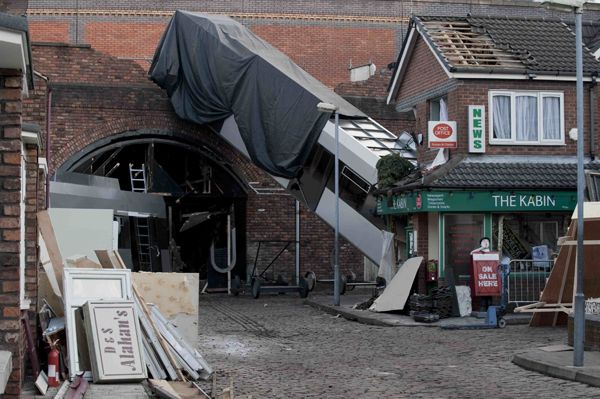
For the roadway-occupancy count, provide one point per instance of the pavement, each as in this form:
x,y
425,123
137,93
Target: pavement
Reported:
x,y
556,361
386,319
277,346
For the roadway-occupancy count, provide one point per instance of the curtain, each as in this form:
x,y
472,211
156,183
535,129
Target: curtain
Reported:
x,y
501,110
526,110
551,115
443,110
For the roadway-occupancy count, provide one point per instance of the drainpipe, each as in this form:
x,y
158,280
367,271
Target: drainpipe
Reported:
x,y
592,118
48,117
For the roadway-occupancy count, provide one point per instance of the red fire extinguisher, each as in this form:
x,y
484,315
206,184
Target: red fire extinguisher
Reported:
x,y
53,365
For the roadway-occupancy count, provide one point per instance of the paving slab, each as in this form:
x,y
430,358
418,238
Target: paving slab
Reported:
x,y
554,362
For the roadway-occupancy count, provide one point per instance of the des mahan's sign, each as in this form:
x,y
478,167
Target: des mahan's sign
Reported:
x,y
442,134
476,128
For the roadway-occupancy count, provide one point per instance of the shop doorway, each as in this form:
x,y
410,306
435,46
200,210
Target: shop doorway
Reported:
x,y
462,233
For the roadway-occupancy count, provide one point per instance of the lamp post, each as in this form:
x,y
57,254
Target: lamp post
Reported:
x,y
332,109
579,300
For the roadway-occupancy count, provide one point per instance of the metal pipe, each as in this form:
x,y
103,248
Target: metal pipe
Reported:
x,y
48,117
336,258
228,254
297,242
592,116
579,315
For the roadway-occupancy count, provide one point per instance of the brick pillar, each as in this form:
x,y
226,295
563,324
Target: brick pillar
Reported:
x,y
11,335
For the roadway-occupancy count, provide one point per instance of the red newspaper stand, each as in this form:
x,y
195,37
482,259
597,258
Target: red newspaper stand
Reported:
x,y
487,280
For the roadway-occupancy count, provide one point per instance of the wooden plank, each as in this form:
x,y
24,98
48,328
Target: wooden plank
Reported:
x,y
164,389
530,306
585,242
146,312
562,284
104,258
47,232
81,262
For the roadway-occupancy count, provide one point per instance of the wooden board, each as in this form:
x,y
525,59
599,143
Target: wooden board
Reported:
x,y
107,259
173,293
51,245
397,291
559,288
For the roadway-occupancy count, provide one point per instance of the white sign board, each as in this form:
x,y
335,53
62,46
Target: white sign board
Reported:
x,y
114,341
477,128
442,134
81,286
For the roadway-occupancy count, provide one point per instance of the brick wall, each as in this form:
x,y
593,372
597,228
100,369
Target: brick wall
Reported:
x,y
475,92
102,97
10,183
423,72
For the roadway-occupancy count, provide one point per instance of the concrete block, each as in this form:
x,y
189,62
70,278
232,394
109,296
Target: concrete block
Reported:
x,y
5,369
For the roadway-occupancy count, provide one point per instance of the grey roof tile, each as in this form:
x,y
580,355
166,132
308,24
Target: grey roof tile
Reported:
x,y
498,175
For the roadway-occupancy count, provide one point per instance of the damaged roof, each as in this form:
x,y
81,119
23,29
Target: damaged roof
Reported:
x,y
488,46
499,173
505,44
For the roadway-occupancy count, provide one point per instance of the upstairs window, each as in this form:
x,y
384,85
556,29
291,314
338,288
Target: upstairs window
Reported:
x,y
438,109
526,117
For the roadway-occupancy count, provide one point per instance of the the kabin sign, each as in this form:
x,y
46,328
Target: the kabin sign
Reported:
x,y
442,134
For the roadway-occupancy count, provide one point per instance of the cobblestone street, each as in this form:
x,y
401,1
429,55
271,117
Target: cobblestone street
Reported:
x,y
277,347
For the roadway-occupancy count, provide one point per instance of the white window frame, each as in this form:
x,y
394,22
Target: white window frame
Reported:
x,y
23,302
513,122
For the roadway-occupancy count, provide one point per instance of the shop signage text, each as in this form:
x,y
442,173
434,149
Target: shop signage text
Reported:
x,y
523,200
476,201
476,128
486,279
442,134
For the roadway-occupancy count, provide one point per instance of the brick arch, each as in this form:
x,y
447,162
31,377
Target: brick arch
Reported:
x,y
164,127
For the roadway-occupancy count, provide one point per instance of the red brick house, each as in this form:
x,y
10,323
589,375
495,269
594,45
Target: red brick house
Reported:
x,y
20,183
505,87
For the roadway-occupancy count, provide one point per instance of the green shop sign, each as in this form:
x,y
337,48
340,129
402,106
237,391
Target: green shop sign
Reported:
x,y
476,201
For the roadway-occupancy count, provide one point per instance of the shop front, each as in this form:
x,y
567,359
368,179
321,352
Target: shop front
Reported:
x,y
521,225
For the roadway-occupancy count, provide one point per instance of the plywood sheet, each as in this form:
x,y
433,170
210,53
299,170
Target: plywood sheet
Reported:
x,y
559,288
173,293
396,293
81,231
49,250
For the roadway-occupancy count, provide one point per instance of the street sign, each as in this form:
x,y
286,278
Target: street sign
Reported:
x,y
476,128
442,134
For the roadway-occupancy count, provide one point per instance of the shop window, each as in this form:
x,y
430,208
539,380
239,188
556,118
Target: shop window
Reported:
x,y
438,109
522,232
526,117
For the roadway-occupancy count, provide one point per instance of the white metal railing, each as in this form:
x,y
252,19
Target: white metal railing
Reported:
x,y
527,280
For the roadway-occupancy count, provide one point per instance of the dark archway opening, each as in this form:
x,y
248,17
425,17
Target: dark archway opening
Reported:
x,y
198,191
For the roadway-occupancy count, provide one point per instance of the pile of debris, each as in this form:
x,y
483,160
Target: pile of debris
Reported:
x,y
432,307
100,327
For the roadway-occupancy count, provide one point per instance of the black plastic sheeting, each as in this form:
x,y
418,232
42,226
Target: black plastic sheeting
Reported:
x,y
213,67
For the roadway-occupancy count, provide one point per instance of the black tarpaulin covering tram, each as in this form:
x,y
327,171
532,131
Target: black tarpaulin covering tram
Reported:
x,y
213,67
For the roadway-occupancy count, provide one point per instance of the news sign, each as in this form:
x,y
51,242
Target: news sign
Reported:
x,y
486,278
